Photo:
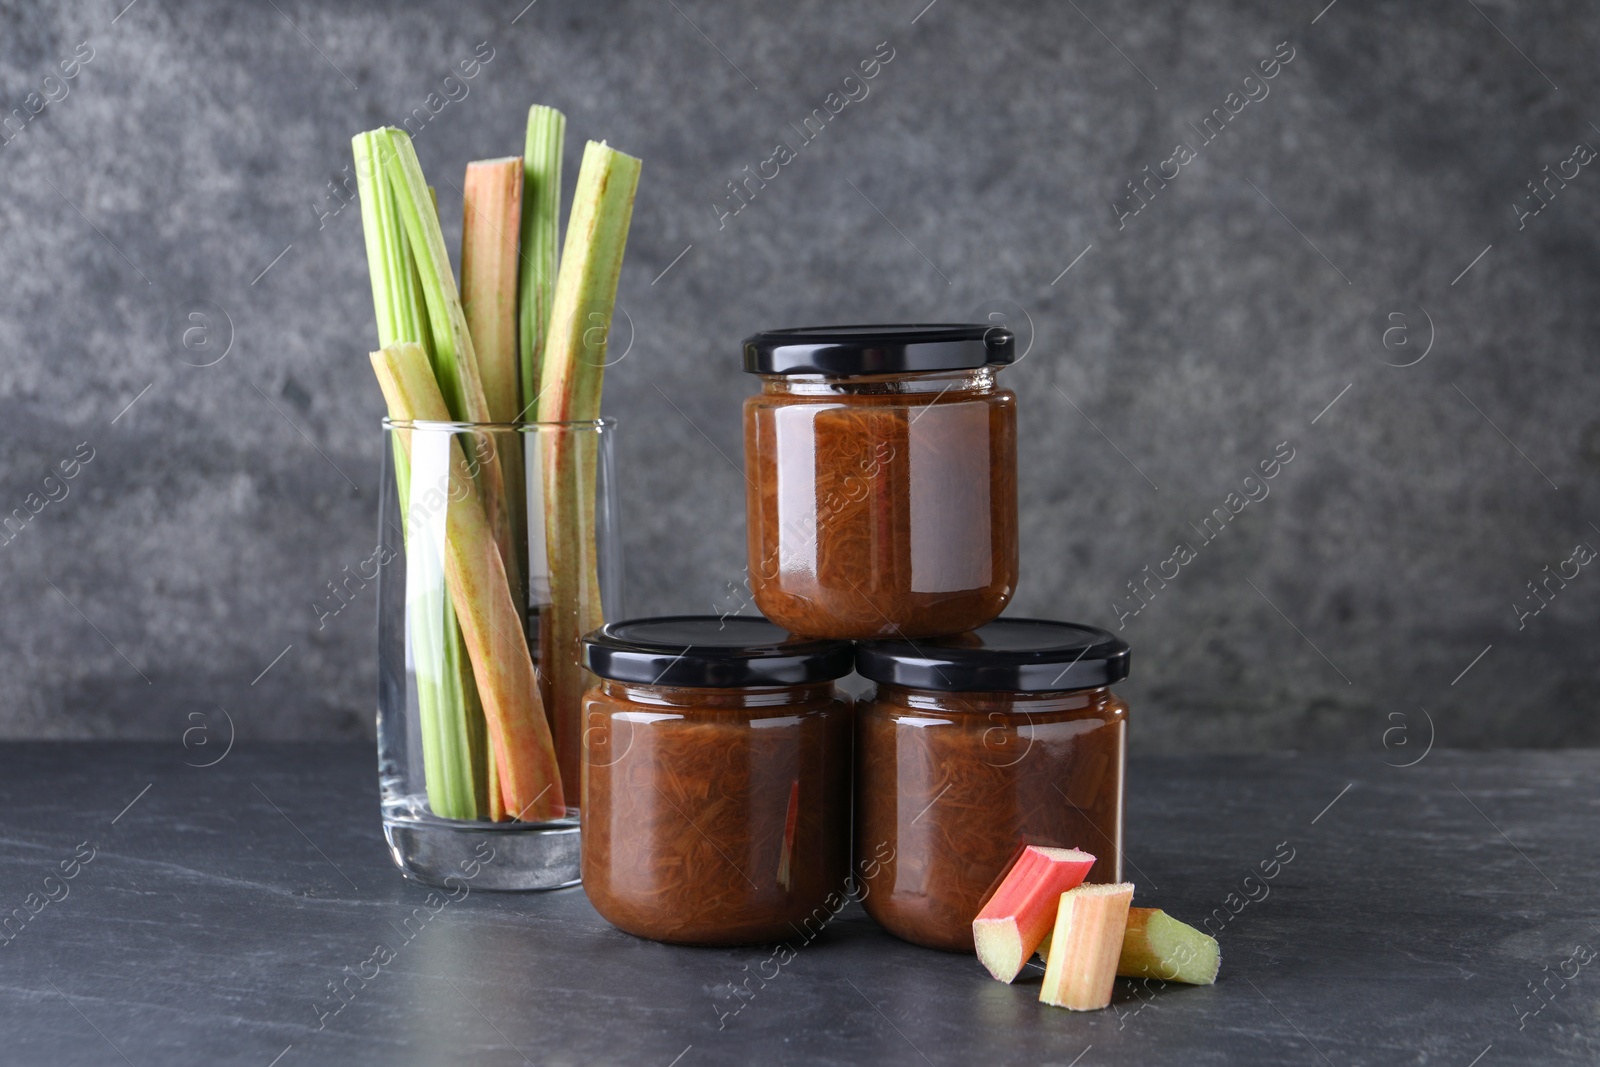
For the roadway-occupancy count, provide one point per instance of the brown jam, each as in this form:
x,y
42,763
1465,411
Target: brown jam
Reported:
x,y
882,505
714,816
950,784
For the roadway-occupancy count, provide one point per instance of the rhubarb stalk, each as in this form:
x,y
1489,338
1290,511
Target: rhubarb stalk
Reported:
x,y
541,240
1158,946
396,296
1085,946
1023,908
492,210
530,782
450,717
492,213
570,381
455,359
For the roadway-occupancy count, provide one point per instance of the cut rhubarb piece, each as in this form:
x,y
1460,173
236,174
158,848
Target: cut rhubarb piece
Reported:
x,y
1158,946
1085,946
1023,909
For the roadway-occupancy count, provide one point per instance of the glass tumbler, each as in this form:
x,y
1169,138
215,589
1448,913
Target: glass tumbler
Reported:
x,y
498,550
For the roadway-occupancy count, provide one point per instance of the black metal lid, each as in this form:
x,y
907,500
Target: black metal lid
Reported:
x,y
1027,655
848,351
712,652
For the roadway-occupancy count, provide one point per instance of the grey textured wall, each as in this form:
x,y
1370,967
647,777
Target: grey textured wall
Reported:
x,y
186,171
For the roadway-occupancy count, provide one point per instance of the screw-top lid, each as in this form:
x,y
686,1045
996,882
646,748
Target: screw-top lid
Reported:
x,y
847,351
710,651
1026,655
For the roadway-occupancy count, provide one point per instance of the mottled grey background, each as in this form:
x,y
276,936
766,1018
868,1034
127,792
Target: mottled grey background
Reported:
x,y
194,150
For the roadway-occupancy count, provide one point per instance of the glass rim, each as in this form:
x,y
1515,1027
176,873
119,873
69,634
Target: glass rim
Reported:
x,y
605,422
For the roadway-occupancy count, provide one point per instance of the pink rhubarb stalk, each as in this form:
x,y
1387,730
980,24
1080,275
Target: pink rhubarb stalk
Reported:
x,y
1085,946
1023,908
492,214
455,359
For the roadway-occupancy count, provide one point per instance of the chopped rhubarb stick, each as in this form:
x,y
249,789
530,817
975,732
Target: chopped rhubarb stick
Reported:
x,y
571,376
490,621
1085,946
1023,908
1158,946
455,360
449,714
541,241
492,210
396,297
586,285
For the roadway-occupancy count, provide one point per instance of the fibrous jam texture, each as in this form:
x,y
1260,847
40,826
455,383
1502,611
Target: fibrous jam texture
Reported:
x,y
953,790
711,824
882,515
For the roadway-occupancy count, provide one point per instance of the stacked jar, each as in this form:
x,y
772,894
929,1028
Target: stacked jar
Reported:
x,y
973,746
881,464
716,779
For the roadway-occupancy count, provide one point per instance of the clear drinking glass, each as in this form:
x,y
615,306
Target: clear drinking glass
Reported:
x,y
498,550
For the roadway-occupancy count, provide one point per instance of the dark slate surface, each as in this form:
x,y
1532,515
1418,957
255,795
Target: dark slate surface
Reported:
x,y
1419,907
187,171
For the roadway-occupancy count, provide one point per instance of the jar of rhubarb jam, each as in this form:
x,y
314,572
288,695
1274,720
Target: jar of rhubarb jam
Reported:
x,y
973,746
882,471
715,795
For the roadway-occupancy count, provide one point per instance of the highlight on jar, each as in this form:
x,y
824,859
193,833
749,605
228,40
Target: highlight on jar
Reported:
x,y
881,475
716,779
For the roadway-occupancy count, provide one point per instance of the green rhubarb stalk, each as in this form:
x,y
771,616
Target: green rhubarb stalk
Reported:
x,y
455,360
492,208
529,778
1155,945
571,375
448,708
541,240
396,297
485,781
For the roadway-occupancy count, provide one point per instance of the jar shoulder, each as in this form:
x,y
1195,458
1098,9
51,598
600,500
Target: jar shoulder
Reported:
x,y
921,394
889,701
664,703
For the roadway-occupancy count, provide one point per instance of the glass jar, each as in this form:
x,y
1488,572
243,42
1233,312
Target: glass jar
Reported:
x,y
716,779
478,750
973,746
882,471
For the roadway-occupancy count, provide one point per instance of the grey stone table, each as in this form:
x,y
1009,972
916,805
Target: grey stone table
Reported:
x,y
1442,913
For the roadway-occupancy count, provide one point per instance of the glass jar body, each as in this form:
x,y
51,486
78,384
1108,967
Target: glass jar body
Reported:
x,y
881,506
442,801
715,816
950,785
